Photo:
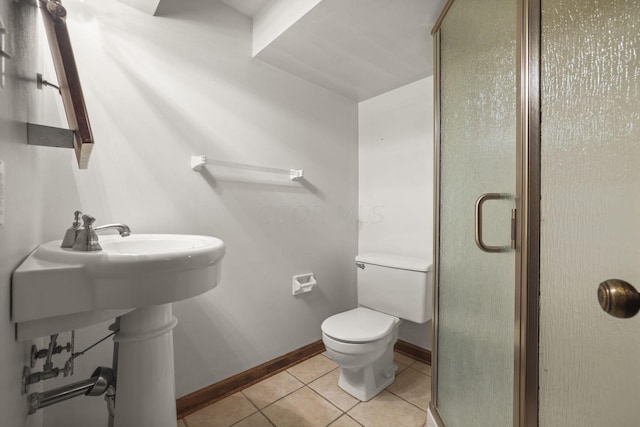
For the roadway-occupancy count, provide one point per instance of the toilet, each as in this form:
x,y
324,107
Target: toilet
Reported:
x,y
360,341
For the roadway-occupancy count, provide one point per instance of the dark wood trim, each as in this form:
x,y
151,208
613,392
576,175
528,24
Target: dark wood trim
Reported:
x,y
412,350
54,20
215,392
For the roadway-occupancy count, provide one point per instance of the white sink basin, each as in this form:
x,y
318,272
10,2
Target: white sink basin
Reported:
x,y
62,289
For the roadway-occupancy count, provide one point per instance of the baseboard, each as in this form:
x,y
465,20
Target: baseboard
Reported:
x,y
412,350
218,391
215,392
433,419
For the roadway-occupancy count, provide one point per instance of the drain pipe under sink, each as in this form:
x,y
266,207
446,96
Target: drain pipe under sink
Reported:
x,y
99,382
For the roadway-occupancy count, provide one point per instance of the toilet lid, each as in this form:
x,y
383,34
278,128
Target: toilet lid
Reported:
x,y
358,325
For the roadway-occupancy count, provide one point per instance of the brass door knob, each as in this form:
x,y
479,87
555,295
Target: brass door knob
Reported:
x,y
618,298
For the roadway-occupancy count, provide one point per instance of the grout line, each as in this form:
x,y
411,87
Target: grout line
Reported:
x,y
209,395
402,398
323,375
280,398
268,419
327,400
249,416
294,376
318,393
354,420
249,399
342,413
417,361
418,372
310,381
283,397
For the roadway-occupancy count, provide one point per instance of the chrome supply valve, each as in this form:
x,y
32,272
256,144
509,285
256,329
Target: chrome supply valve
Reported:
x,y
48,370
42,353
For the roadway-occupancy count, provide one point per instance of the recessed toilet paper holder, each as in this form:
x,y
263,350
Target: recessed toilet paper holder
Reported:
x,y
303,283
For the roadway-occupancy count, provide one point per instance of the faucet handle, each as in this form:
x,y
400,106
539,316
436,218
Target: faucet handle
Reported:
x,y
76,221
71,234
88,221
87,239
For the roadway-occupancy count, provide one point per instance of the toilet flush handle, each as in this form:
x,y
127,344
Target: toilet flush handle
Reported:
x,y
360,265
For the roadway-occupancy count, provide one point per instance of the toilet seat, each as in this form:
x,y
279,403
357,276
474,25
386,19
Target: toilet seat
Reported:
x,y
360,325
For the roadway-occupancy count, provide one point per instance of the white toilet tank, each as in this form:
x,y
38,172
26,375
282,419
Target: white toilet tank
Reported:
x,y
398,286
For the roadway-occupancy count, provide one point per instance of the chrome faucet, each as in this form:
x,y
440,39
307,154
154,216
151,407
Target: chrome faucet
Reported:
x,y
123,229
87,240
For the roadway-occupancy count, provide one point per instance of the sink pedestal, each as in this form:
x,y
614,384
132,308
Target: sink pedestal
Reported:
x,y
145,388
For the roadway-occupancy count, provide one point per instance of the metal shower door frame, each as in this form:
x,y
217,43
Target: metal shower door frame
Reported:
x,y
527,246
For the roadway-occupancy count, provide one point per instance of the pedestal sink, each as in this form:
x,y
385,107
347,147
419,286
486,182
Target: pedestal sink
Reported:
x,y
135,279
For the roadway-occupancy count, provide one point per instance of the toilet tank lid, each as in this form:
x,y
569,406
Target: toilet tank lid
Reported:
x,y
395,261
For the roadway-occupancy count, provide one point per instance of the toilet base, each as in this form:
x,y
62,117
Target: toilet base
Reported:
x,y
366,382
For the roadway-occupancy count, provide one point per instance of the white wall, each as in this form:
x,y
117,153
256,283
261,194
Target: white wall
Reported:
x,y
160,89
29,201
396,179
22,214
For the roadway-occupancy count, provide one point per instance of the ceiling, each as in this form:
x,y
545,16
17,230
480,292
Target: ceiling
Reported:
x,y
358,48
247,7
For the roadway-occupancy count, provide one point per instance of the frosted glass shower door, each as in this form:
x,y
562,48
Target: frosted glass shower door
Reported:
x,y
590,209
474,369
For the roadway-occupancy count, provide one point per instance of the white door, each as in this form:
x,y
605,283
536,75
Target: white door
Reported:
x,y
590,211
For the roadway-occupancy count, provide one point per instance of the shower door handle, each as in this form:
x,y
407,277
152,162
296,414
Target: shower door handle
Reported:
x,y
484,247
618,298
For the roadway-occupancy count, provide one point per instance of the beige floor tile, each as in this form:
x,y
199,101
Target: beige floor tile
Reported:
x,y
413,386
181,423
386,410
401,367
327,387
255,420
302,408
422,367
313,368
344,421
222,414
401,358
268,391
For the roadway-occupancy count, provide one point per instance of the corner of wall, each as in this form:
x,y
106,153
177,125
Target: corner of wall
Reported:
x,y
275,18
396,180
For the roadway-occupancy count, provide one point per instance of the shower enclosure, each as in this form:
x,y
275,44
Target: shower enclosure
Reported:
x,y
537,171
476,262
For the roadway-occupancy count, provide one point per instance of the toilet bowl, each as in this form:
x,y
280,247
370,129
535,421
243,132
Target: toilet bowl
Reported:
x,y
361,340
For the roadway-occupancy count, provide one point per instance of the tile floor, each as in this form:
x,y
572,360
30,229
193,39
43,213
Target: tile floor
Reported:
x,y
307,394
